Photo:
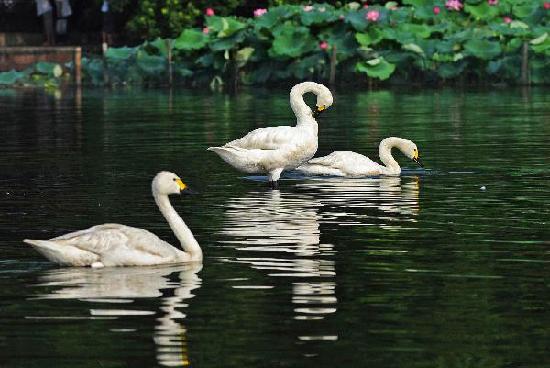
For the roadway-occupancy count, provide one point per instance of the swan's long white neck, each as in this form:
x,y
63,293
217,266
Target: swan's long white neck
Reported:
x,y
302,111
180,229
384,151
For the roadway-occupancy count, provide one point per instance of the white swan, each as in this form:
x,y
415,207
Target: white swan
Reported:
x,y
274,149
347,163
119,245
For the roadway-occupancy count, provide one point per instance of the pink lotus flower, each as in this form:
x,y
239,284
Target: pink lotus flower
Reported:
x,y
259,12
437,10
453,5
209,12
547,5
323,45
492,2
205,30
308,8
507,20
373,15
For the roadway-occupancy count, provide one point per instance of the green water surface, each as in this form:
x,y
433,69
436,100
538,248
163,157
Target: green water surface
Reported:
x,y
442,267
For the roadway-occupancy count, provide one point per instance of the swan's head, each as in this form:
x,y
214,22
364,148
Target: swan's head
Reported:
x,y
324,100
411,151
168,183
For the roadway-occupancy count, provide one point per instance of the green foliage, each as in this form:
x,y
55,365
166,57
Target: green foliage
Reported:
x,y
11,77
190,39
291,41
376,68
296,42
42,74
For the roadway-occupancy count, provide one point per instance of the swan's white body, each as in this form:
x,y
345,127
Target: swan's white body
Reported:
x,y
348,163
275,149
120,245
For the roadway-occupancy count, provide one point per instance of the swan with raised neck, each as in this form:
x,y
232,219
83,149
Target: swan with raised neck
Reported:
x,y
348,163
275,149
120,245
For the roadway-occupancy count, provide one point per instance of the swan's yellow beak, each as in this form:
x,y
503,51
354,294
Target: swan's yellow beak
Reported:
x,y
319,110
181,184
416,158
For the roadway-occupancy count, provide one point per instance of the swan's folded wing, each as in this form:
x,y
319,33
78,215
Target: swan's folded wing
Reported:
x,y
102,239
271,138
348,162
340,159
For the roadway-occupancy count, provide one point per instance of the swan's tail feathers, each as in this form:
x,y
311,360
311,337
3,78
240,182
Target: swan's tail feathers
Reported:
x,y
63,254
240,158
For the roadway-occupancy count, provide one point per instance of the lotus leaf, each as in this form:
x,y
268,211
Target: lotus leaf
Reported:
x,y
116,54
227,43
382,70
445,46
151,64
182,69
224,26
161,45
482,11
450,70
342,38
357,19
371,37
416,30
11,77
243,55
414,48
306,67
320,14
542,47
483,49
291,41
416,3
190,39
539,71
276,15
524,10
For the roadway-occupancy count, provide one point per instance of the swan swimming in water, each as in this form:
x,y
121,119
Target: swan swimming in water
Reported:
x,y
348,163
274,149
120,245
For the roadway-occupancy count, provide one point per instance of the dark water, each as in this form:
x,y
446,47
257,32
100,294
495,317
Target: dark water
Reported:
x,y
425,270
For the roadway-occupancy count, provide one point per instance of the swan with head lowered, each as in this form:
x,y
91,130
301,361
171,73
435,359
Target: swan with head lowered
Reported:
x,y
275,149
120,245
348,163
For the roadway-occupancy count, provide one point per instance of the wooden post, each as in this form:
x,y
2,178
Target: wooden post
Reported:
x,y
104,47
525,64
78,66
332,76
170,72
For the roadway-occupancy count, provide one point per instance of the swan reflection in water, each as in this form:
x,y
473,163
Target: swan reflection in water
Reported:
x,y
286,228
112,287
384,201
278,233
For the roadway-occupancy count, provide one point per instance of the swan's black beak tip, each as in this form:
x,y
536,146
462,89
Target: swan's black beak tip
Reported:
x,y
417,160
188,191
